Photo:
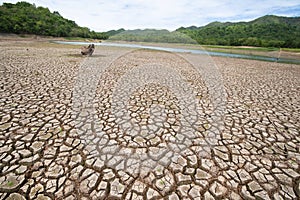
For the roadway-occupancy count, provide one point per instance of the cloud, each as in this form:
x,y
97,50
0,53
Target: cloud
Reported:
x,y
170,14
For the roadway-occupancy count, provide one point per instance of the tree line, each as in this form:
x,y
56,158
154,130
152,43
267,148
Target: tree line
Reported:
x,y
267,31
26,18
153,35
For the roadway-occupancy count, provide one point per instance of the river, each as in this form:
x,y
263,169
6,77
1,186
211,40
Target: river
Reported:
x,y
185,50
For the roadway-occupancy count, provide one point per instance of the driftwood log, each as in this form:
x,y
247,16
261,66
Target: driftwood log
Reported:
x,y
88,50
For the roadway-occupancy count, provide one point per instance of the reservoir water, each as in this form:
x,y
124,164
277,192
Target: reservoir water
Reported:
x,y
184,50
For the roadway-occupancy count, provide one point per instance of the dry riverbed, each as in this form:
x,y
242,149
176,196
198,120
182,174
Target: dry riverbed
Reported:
x,y
144,124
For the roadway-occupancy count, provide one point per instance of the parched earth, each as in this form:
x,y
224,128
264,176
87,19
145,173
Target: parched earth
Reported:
x,y
143,124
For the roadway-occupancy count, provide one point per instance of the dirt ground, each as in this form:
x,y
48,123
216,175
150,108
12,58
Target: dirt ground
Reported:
x,y
139,124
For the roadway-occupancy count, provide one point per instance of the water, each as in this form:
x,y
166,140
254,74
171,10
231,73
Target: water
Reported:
x,y
181,50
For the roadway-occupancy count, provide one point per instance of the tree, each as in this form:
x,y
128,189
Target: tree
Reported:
x,y
267,31
24,17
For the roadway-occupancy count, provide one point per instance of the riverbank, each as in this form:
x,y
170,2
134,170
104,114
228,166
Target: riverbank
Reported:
x,y
182,48
271,54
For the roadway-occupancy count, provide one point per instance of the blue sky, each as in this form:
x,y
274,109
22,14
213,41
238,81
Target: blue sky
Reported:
x,y
104,15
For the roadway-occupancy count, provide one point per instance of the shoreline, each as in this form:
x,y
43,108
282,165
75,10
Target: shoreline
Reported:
x,y
182,48
243,50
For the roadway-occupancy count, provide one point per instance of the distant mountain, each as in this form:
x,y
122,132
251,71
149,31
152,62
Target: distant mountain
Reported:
x,y
114,32
26,18
153,35
267,31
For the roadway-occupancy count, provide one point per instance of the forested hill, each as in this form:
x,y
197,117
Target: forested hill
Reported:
x,y
26,18
153,35
267,31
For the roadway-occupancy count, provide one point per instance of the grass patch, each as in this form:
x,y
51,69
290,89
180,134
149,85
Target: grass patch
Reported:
x,y
162,182
159,170
79,39
10,184
291,50
241,48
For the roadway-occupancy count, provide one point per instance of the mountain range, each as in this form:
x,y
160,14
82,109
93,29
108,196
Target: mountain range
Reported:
x,y
266,31
269,30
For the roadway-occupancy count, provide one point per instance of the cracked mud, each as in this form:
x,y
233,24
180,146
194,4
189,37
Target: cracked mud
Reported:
x,y
144,124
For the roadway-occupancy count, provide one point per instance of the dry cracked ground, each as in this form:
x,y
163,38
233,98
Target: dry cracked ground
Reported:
x,y
142,124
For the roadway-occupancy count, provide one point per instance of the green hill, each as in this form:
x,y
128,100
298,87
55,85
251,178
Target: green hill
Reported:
x,y
114,32
26,18
153,35
267,31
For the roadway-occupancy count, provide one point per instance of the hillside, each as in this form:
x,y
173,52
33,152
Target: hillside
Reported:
x,y
267,31
26,18
153,35
114,32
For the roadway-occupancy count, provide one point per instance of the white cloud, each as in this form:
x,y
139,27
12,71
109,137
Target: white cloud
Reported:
x,y
170,14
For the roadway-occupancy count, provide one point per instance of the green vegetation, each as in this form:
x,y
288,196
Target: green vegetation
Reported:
x,y
270,32
114,32
153,35
267,31
10,184
291,50
26,18
241,48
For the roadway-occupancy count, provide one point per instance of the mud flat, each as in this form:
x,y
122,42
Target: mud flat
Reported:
x,y
110,127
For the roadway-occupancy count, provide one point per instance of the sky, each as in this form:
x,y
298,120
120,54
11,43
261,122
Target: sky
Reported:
x,y
104,15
